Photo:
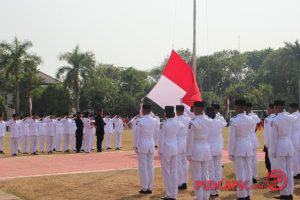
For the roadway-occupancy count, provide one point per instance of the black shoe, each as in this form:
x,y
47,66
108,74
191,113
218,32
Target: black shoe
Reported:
x,y
285,197
155,146
117,149
1,152
77,151
100,150
54,149
108,148
214,195
247,198
14,155
144,192
297,176
254,180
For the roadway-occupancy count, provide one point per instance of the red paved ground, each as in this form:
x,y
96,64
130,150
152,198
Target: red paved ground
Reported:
x,y
26,166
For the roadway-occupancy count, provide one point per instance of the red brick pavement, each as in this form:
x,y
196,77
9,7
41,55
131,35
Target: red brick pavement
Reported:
x,y
30,166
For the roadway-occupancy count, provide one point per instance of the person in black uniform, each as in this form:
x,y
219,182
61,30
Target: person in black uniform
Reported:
x,y
99,129
79,131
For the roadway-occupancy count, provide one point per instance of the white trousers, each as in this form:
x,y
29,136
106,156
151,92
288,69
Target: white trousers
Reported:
x,y
215,172
14,145
296,167
1,143
25,143
146,170
200,173
108,137
50,143
83,142
41,139
88,142
67,138
182,169
33,143
57,142
73,142
118,139
243,172
285,164
169,170
254,164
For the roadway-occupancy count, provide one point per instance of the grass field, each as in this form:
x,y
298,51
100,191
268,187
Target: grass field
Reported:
x,y
117,185
127,142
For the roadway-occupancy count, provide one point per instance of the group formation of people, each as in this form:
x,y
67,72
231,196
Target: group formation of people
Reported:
x,y
194,140
67,133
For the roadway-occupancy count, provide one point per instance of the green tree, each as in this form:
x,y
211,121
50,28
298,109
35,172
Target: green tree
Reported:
x,y
79,64
16,60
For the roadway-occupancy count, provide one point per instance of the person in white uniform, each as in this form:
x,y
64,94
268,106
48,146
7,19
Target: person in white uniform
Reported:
x,y
168,152
215,141
118,131
254,139
198,149
73,135
58,135
88,134
144,147
24,136
51,130
240,148
156,129
296,139
33,132
14,128
42,135
2,134
269,162
281,148
108,130
182,164
67,131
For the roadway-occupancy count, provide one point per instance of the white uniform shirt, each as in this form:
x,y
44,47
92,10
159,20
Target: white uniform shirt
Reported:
x,y
167,137
118,125
2,128
51,126
256,119
24,128
197,140
215,137
108,128
143,134
182,133
67,125
42,128
33,126
88,126
239,136
14,128
280,137
267,129
73,127
296,131
59,128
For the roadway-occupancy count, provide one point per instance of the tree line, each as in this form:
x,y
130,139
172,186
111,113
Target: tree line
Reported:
x,y
259,76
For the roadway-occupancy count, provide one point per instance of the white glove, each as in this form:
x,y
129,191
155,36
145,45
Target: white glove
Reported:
x,y
231,158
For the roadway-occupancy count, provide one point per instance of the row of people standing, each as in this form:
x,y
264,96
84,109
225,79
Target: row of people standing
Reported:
x,y
74,133
182,142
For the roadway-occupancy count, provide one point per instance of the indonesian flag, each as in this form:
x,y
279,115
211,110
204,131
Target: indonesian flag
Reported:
x,y
177,85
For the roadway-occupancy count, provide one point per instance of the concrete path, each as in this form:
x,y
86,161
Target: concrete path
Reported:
x,y
46,165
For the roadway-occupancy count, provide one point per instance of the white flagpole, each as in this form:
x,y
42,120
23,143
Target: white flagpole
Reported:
x,y
194,61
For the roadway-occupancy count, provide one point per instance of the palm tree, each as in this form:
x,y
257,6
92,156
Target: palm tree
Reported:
x,y
80,63
16,60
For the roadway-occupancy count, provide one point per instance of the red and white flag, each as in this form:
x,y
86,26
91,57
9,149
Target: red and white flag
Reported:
x,y
177,85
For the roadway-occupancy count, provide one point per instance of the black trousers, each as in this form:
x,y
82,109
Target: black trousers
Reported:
x,y
100,136
79,136
267,160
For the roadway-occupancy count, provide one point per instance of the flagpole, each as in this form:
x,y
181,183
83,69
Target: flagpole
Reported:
x,y
194,59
